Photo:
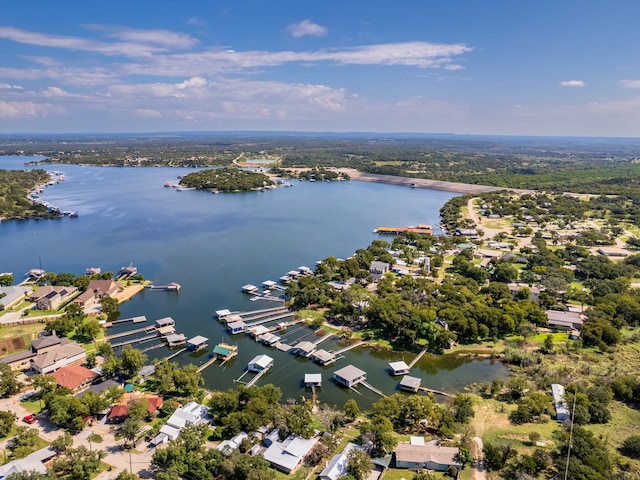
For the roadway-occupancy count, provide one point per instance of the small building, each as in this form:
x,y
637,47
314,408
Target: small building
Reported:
x,y
323,357
410,384
74,377
288,455
269,284
349,376
12,295
237,327
337,466
565,321
258,330
166,330
224,351
190,414
514,288
30,463
232,318
176,339
430,456
165,322
127,271
197,343
221,314
399,368
92,271
379,268
260,363
228,446
304,349
562,411
248,288
313,379
269,339
613,252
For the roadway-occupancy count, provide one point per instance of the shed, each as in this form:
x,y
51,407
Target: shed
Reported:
x,y
562,411
248,288
197,343
399,368
269,284
304,349
260,363
350,376
224,351
313,379
166,321
410,384
237,327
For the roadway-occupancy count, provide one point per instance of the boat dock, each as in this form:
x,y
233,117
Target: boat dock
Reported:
x,y
130,332
270,319
136,340
182,350
421,229
169,287
139,319
327,358
418,357
256,378
209,362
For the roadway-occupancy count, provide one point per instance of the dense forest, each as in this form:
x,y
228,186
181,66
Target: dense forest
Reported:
x,y
226,179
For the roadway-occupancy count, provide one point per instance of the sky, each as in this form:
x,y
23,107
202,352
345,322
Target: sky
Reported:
x,y
492,67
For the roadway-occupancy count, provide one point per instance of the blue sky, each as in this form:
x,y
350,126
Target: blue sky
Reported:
x,y
504,67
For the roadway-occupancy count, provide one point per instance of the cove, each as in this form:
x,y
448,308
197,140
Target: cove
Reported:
x,y
214,244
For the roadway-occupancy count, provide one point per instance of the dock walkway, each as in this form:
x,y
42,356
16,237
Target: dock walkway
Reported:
x,y
252,316
320,340
207,364
129,332
136,340
418,357
350,347
372,388
256,378
175,354
138,319
270,319
437,392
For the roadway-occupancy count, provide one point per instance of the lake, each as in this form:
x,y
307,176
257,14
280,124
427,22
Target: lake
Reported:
x,y
214,244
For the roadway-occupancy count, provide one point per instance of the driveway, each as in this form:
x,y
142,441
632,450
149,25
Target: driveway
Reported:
x,y
478,465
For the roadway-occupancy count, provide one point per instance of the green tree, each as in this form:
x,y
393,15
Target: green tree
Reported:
x,y
463,405
351,409
110,307
132,360
88,330
6,279
378,431
631,446
7,420
130,429
111,366
27,475
124,475
24,442
77,463
62,443
359,464
9,383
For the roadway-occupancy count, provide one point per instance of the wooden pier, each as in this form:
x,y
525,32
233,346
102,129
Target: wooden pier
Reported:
x,y
153,347
270,319
351,347
325,337
256,378
139,319
129,332
372,388
437,392
209,362
418,357
182,350
271,312
136,340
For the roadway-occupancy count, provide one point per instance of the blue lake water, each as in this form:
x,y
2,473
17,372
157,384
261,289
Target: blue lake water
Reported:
x,y
214,244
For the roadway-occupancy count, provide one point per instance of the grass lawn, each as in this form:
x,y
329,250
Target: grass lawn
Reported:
x,y
404,474
33,405
31,330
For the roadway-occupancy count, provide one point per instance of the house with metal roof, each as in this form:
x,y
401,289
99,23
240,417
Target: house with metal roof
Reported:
x,y
30,463
337,466
13,295
562,411
288,455
349,376
192,413
430,456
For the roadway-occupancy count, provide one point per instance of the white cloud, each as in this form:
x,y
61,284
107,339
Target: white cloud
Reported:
x,y
15,110
572,83
306,28
8,86
630,83
160,38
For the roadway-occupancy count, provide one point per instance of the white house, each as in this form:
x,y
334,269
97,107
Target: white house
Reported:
x,y
337,466
192,413
562,411
287,456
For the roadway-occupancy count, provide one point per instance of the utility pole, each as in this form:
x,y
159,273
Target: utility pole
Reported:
x,y
573,413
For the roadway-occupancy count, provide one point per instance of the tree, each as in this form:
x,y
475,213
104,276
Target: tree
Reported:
x,y
77,463
88,330
463,405
351,409
132,360
110,307
378,433
9,383
547,346
111,366
129,429
423,475
27,475
62,443
6,279
124,475
24,442
464,456
7,420
359,464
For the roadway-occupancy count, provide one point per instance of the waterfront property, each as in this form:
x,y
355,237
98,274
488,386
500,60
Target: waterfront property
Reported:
x,y
96,291
410,384
430,456
565,321
350,376
337,466
13,295
50,297
74,377
260,363
55,357
190,414
176,339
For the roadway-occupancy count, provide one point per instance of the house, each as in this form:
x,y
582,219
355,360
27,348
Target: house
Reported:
x,y
19,361
379,268
227,446
410,384
46,343
50,297
562,411
260,363
96,291
65,354
120,411
192,413
349,376
30,463
74,377
313,379
613,252
399,368
337,466
566,321
430,456
287,456
13,295
514,288
197,343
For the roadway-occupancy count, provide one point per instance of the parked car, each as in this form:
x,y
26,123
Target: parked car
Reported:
x,y
29,419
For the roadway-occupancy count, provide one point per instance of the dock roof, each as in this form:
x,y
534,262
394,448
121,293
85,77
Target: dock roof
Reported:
x,y
197,340
398,366
322,356
223,313
306,347
176,337
223,350
350,373
263,361
313,378
411,383
163,322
